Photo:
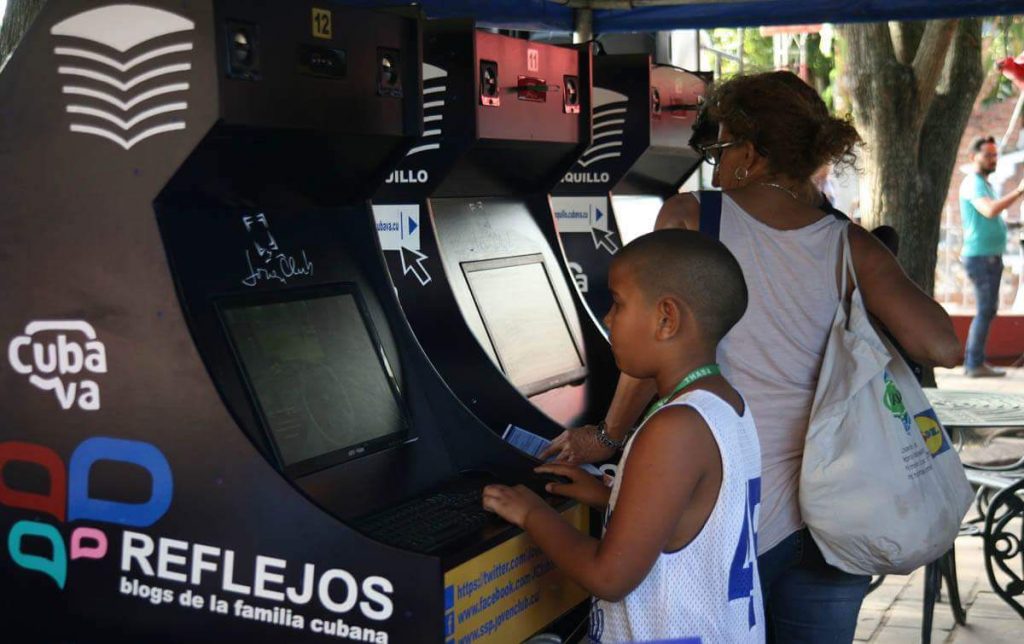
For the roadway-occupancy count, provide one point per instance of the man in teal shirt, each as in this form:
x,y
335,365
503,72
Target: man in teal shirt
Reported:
x,y
984,244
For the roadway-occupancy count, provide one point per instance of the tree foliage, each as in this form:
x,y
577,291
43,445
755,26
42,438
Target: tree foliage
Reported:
x,y
1004,36
758,55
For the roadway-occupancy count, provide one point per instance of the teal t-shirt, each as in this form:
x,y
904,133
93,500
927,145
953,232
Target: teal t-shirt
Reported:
x,y
982,235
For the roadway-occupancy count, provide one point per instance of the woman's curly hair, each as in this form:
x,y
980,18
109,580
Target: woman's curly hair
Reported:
x,y
785,120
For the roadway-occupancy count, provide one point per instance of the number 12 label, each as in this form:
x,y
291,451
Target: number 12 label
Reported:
x,y
321,23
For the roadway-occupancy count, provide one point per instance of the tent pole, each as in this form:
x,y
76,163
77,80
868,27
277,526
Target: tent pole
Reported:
x,y
583,26
1013,123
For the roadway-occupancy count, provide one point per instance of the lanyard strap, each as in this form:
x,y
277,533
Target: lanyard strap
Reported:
x,y
692,377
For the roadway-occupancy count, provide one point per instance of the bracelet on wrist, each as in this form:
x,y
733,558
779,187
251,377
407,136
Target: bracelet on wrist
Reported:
x,y
605,439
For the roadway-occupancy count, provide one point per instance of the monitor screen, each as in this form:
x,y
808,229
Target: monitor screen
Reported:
x,y
524,322
319,377
635,214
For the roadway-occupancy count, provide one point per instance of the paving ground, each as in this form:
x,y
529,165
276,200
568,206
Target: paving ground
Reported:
x,y
892,613
1012,383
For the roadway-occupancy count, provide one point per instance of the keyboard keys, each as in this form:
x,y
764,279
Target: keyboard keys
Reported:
x,y
430,523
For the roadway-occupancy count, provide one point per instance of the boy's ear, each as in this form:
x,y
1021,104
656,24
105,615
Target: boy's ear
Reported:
x,y
670,318
674,318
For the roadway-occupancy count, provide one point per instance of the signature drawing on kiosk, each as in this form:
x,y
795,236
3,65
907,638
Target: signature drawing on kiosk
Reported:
x,y
269,262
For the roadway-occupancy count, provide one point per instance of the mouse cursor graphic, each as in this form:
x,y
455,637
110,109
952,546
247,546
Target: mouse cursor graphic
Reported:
x,y
604,239
412,262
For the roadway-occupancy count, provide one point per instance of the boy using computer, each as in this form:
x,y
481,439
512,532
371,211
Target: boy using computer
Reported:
x,y
678,555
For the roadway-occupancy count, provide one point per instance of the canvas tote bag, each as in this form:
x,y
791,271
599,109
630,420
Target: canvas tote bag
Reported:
x,y
881,489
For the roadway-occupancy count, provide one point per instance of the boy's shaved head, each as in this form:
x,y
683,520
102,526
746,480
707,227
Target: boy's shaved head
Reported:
x,y
693,268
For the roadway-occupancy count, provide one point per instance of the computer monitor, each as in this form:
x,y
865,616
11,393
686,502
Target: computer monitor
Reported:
x,y
636,215
317,373
524,322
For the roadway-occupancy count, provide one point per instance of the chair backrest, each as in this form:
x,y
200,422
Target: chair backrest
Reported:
x,y
1004,544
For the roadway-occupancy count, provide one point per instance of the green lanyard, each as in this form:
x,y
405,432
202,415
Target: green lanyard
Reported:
x,y
692,377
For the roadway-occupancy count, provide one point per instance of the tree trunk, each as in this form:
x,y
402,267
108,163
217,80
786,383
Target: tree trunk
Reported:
x,y
912,127
940,142
912,87
20,14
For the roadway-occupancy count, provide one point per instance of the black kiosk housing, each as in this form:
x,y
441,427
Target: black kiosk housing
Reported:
x,y
644,115
481,279
209,378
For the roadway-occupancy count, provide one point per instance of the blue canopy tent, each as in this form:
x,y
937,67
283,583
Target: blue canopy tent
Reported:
x,y
788,12
557,15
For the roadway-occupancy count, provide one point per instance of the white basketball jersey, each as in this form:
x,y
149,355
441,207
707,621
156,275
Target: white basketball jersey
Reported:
x,y
709,591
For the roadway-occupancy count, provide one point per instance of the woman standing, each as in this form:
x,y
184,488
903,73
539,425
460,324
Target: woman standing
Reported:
x,y
774,133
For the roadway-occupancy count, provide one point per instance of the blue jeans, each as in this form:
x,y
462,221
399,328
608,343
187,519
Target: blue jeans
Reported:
x,y
985,272
805,599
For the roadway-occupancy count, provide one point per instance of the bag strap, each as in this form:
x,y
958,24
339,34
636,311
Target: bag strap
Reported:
x,y
710,213
827,207
848,269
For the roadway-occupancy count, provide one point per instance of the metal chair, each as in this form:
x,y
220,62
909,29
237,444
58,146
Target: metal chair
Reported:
x,y
998,502
1003,535
941,570
989,479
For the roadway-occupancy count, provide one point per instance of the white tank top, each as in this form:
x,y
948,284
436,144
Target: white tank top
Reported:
x,y
773,355
710,589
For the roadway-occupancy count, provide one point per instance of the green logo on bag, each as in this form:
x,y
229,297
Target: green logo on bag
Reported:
x,y
893,401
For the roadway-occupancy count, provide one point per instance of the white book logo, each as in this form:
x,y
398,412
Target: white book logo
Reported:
x,y
435,84
125,72
609,119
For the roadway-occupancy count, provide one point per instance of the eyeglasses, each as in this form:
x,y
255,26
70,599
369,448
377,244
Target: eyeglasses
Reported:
x,y
712,152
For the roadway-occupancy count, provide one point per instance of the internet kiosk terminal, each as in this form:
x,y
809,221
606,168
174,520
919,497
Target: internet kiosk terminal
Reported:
x,y
480,276
212,405
644,115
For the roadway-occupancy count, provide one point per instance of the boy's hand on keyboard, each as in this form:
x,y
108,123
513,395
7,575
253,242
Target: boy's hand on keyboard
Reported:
x,y
584,487
513,504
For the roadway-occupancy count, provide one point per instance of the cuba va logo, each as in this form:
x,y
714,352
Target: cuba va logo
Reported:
x,y
61,356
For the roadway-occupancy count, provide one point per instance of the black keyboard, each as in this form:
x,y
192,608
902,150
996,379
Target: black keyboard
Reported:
x,y
430,523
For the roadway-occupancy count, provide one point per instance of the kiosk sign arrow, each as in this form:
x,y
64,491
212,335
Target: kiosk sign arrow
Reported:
x,y
398,229
580,214
398,226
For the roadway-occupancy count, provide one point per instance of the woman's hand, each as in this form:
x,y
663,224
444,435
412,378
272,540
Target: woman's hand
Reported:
x,y
513,504
585,487
578,445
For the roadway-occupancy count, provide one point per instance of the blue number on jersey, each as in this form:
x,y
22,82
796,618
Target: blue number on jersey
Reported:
x,y
741,573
